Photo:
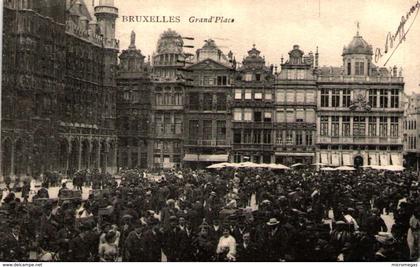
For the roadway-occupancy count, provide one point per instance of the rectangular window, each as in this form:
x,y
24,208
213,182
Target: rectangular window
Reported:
x,y
373,98
300,115
247,136
248,94
280,116
394,126
207,101
348,68
257,116
383,126
159,124
248,77
395,98
193,131
267,137
309,138
238,94
346,98
324,126
237,136
298,138
383,98
258,96
289,138
207,130
310,97
279,137
360,68
267,116
258,77
310,116
290,115
237,114
372,126
359,126
335,124
221,130
290,96
300,96
325,98
335,98
221,101
194,101
257,137
178,125
167,123
247,115
280,96
268,96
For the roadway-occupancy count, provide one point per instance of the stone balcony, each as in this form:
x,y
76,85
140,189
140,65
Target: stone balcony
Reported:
x,y
361,79
360,140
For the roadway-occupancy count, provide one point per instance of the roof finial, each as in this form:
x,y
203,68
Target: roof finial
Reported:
x,y
132,40
253,46
358,28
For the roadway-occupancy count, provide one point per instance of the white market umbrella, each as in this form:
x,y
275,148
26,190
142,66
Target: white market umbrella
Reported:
x,y
217,165
327,169
249,165
394,168
297,165
345,168
277,166
319,164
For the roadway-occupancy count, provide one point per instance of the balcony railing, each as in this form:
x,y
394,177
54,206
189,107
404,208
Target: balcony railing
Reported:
x,y
207,143
371,79
359,140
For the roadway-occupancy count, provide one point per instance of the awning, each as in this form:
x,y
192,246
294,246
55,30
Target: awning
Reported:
x,y
347,160
396,159
335,160
204,157
324,158
373,159
384,159
294,154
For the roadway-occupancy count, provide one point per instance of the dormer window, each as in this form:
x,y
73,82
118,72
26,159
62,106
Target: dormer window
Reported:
x,y
258,77
360,68
248,77
349,68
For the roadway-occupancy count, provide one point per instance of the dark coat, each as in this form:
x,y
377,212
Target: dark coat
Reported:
x,y
249,253
153,246
135,247
172,239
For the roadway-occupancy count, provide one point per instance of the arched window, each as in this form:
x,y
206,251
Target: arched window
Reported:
x,y
349,68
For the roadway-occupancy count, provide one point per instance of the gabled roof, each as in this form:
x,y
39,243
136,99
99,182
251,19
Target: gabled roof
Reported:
x,y
72,7
208,64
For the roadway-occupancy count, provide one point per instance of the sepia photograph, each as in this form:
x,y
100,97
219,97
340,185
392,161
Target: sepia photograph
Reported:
x,y
209,131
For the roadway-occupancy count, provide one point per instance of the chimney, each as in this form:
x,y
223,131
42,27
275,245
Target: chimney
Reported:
x,y
316,58
394,71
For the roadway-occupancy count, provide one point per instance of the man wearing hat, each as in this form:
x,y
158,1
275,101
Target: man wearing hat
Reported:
x,y
134,247
204,244
275,241
172,239
153,243
167,212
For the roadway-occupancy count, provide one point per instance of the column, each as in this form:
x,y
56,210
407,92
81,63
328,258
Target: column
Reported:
x,y
366,126
68,158
79,156
377,126
98,156
378,96
89,155
340,126
351,126
388,128
12,160
329,98
329,126
106,156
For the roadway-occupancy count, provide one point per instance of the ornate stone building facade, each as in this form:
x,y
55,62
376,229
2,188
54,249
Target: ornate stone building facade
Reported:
x,y
166,131
207,120
360,111
58,92
253,113
295,108
133,107
412,131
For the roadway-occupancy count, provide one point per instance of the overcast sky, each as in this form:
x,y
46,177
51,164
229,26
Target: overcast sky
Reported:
x,y
275,26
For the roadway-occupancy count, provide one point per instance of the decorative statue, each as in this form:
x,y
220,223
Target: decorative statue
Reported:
x,y
133,40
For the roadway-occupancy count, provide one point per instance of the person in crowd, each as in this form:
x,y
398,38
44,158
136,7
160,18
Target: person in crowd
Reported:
x,y
108,250
226,248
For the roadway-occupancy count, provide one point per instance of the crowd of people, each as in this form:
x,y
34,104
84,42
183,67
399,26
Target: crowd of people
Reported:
x,y
240,215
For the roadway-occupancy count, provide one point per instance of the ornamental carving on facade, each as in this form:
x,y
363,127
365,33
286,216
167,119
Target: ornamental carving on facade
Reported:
x,y
360,103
